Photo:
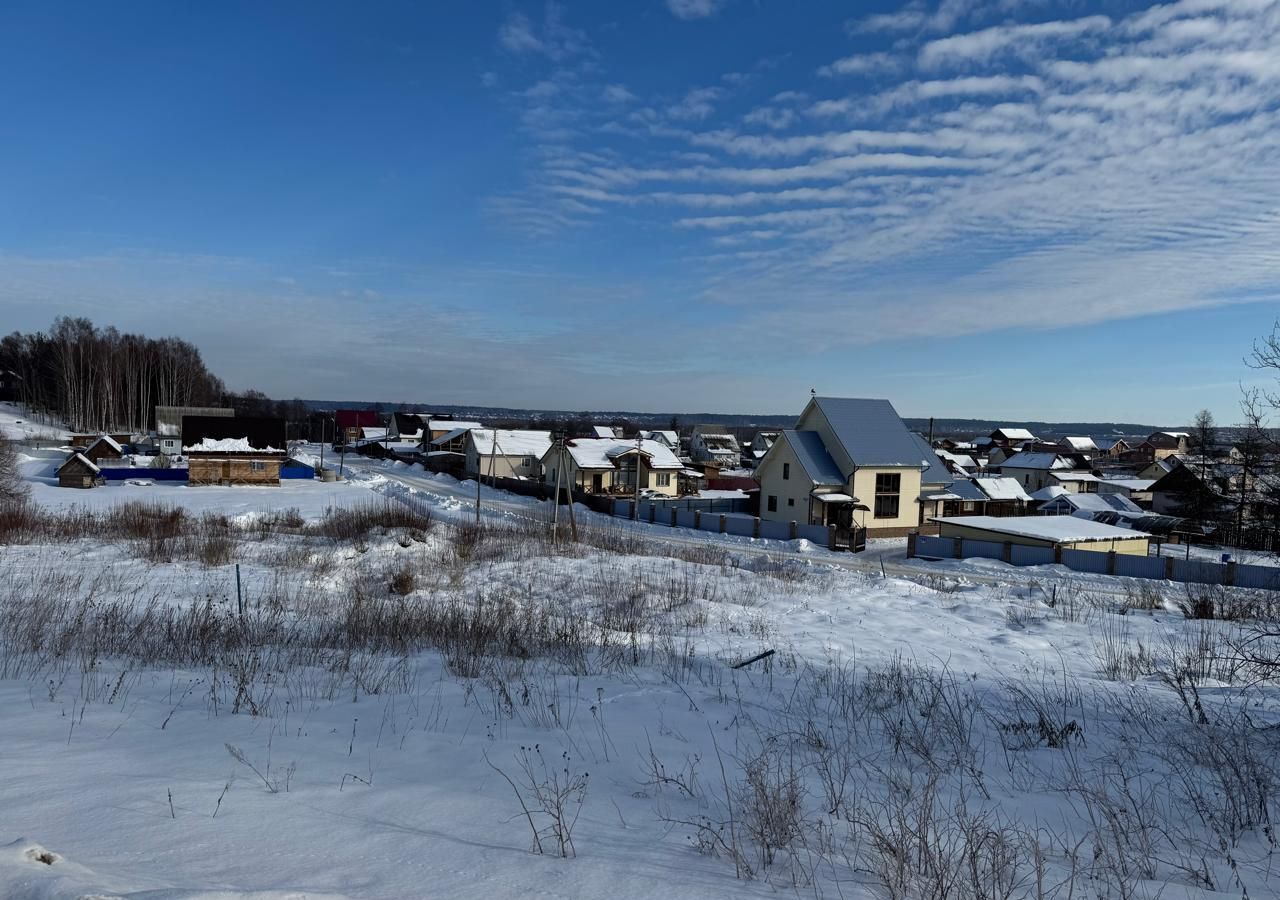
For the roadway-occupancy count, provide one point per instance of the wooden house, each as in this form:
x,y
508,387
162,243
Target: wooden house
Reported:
x,y
610,465
105,447
85,440
79,472
242,450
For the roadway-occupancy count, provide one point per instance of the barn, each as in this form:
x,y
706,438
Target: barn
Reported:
x,y
79,472
1066,532
240,450
105,447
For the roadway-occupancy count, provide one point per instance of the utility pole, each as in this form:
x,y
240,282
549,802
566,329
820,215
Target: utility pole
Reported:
x,y
561,451
322,443
635,502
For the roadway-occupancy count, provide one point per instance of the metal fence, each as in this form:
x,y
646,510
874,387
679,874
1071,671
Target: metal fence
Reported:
x,y
677,514
1165,568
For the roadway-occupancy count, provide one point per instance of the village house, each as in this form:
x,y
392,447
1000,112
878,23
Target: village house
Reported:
x,y
506,453
80,441
1008,437
610,465
982,496
238,450
169,424
850,463
454,441
1084,445
79,472
1136,489
1162,444
1069,504
958,463
438,428
355,425
1076,481
715,444
1113,447
1034,470
105,447
668,437
760,445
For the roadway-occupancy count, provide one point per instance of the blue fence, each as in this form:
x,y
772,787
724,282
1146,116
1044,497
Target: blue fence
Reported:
x,y
124,474
1101,563
297,470
736,523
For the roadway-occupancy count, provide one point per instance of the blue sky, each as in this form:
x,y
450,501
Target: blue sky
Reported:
x,y
998,208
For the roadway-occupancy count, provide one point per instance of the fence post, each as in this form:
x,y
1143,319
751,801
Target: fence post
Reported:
x,y
697,518
1229,574
723,520
957,548
1006,552
755,527
653,512
1111,562
911,544
1057,554
831,537
1168,568
795,531
674,513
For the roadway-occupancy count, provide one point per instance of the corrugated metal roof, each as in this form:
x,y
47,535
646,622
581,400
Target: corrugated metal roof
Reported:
x,y
935,471
872,432
813,456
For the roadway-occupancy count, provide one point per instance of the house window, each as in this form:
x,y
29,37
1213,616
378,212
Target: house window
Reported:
x,y
773,503
525,463
786,471
664,479
256,466
791,501
888,486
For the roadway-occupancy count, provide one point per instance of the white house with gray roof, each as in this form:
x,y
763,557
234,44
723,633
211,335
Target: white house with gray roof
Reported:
x,y
850,462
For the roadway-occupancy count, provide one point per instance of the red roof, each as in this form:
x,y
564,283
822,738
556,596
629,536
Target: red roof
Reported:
x,y
358,418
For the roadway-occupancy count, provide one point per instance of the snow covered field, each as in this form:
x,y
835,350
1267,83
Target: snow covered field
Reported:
x,y
411,706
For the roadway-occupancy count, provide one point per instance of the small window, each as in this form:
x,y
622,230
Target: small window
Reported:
x,y
526,463
773,503
786,471
664,479
791,501
256,466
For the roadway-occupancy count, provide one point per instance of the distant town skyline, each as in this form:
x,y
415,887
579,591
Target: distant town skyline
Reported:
x,y
1049,212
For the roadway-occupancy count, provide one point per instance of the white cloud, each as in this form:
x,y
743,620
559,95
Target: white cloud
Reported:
x,y
697,104
551,37
616,93
980,46
694,9
862,64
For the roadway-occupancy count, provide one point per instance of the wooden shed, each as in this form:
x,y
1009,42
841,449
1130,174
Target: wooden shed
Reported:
x,y
79,472
240,450
105,447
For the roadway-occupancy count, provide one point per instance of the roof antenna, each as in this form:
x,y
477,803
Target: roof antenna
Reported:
x,y
813,392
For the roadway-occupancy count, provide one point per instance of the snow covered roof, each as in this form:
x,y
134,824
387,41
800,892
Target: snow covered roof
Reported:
x,y
228,445
451,425
109,441
1041,461
1012,434
603,431
83,460
604,453
1131,484
998,488
959,459
242,434
451,436
813,456
1092,502
834,498
511,442
1079,444
1078,477
669,437
1049,492
1059,529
